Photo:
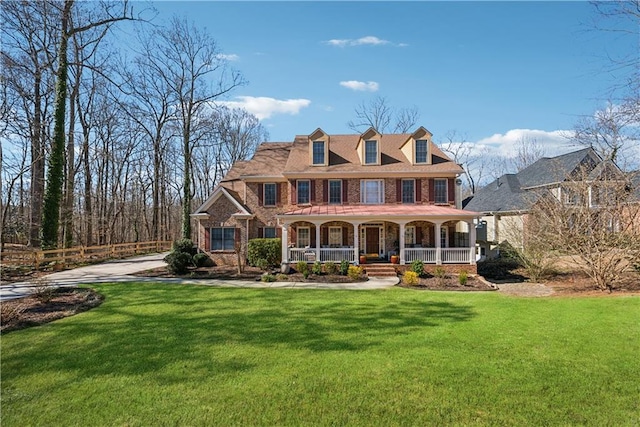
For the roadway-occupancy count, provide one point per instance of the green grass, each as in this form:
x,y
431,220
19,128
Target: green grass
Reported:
x,y
184,355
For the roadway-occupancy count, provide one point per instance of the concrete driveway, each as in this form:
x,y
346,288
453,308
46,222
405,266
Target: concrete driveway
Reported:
x,y
110,271
122,270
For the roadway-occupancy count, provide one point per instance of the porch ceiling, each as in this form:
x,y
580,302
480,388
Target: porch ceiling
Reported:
x,y
378,212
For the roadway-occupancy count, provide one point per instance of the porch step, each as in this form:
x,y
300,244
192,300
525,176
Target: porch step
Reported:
x,y
380,270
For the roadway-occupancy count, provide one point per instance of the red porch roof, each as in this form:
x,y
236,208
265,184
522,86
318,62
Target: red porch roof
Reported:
x,y
380,211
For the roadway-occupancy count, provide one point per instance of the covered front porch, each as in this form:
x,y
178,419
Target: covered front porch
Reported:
x,y
433,234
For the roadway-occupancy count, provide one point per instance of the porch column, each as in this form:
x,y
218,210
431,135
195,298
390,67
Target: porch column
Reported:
x,y
472,242
285,242
402,242
317,224
437,231
356,242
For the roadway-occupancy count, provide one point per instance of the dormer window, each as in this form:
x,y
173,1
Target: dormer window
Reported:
x,y
422,150
318,153
371,152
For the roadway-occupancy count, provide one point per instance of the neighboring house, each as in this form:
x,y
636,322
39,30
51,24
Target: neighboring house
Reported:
x,y
335,197
505,203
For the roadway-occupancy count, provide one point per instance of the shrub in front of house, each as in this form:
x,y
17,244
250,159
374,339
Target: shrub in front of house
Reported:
x,y
185,246
202,260
268,278
269,250
410,278
178,262
330,267
303,268
354,272
316,268
463,277
281,277
344,267
417,267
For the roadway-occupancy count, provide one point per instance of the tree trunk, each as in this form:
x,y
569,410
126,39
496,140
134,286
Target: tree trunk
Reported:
x,y
53,194
37,167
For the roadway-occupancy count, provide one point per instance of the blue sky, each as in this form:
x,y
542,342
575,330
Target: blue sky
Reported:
x,y
491,71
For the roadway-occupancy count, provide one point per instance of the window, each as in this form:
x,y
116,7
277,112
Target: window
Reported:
x,y
269,232
421,151
318,152
304,190
444,237
410,235
335,191
441,191
335,236
371,191
223,238
408,191
370,152
270,194
304,237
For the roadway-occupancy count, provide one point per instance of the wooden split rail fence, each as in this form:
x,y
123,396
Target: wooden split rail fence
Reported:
x,y
79,255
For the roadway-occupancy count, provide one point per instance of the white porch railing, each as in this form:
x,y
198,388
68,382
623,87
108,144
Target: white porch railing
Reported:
x,y
326,255
455,255
426,255
302,254
337,254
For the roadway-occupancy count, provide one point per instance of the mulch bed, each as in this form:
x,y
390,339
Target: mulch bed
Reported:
x,y
36,310
249,273
217,272
448,284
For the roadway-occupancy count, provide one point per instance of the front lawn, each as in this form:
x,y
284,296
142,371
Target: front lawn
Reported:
x,y
158,354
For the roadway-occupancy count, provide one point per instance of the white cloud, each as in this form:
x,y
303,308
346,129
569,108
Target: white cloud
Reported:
x,y
553,142
228,57
360,86
264,107
366,40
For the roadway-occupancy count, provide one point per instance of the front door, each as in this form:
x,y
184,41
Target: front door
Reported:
x,y
373,240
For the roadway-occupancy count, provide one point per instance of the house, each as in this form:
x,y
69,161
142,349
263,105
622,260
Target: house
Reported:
x,y
339,197
505,203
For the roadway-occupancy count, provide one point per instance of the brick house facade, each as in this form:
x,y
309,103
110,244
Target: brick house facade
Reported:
x,y
334,197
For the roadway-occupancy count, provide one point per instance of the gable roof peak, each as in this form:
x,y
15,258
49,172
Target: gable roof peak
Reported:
x,y
369,133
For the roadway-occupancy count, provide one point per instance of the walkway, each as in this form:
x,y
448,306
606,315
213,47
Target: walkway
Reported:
x,y
122,270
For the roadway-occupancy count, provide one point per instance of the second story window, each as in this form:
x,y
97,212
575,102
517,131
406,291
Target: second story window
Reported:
x,y
421,151
441,191
408,191
304,192
372,191
318,152
270,194
370,152
335,191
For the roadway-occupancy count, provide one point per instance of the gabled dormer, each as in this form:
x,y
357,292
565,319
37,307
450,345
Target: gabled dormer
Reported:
x,y
319,148
417,149
369,147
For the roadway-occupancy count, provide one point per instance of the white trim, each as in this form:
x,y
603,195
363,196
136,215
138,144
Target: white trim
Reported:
x,y
334,228
298,236
221,191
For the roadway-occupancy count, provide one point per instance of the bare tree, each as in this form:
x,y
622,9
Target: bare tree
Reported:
x,y
621,17
464,153
380,115
592,221
528,151
29,37
613,132
189,61
104,16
